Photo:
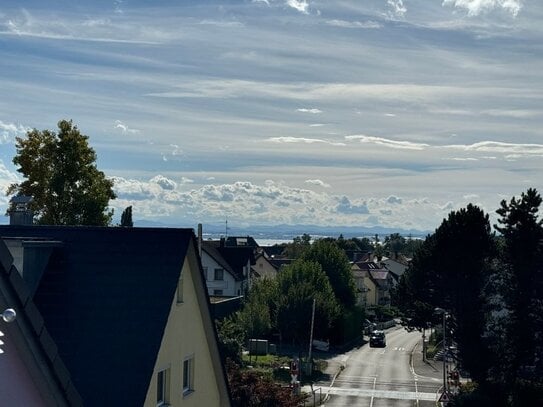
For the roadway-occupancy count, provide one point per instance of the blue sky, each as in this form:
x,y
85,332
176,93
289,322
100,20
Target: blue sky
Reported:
x,y
376,112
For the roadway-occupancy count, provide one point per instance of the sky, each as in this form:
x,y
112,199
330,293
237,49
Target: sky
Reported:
x,y
367,113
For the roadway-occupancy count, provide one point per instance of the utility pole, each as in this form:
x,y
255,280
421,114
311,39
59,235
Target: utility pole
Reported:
x,y
444,313
309,364
311,334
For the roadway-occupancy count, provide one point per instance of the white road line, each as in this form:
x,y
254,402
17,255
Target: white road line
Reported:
x,y
374,382
386,394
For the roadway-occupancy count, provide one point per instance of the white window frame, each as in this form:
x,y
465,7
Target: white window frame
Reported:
x,y
188,375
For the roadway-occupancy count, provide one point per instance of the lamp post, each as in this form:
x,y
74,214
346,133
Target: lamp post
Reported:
x,y
444,313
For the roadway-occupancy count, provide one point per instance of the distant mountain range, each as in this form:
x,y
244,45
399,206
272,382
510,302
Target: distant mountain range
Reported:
x,y
284,232
288,232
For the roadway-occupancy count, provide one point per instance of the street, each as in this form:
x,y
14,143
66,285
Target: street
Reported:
x,y
385,376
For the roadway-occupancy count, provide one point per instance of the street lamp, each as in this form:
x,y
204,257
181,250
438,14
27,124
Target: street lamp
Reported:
x,y
444,313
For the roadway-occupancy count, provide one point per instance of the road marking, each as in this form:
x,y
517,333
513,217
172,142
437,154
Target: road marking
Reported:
x,y
374,382
386,394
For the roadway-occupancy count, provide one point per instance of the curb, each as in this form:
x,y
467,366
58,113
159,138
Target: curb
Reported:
x,y
327,395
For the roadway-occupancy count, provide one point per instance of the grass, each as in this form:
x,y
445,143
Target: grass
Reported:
x,y
279,367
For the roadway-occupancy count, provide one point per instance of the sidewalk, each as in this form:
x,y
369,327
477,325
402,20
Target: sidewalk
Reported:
x,y
428,368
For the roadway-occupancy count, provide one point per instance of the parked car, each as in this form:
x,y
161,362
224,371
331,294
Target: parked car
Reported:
x,y
378,338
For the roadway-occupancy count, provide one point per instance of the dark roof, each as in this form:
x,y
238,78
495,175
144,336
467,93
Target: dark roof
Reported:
x,y
236,256
278,263
275,250
105,297
212,250
369,265
240,241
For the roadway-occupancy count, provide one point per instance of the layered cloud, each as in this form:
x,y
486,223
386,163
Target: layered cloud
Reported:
x,y
493,147
303,140
245,202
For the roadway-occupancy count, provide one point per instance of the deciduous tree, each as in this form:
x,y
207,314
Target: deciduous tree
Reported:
x,y
335,264
62,177
298,284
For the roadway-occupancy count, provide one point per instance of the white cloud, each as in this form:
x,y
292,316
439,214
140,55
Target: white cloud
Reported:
x,y
500,147
476,7
397,7
176,150
354,24
394,200
163,182
124,128
8,132
317,182
303,140
345,206
312,111
301,5
220,23
403,145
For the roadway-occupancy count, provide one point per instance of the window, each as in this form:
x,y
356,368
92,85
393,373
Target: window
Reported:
x,y
188,375
162,388
205,273
217,292
180,289
219,274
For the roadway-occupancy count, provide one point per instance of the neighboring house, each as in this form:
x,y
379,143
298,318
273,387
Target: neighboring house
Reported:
x,y
396,266
364,285
106,317
373,283
264,267
221,279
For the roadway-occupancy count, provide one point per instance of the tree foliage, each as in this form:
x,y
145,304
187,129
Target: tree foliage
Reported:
x,y
335,264
126,218
62,177
522,261
493,289
257,317
298,246
252,388
298,284
450,272
394,244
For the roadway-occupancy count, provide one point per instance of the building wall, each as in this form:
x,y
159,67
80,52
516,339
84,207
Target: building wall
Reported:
x,y
371,294
228,284
264,268
185,337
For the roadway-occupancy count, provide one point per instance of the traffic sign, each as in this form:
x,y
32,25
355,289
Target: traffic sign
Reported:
x,y
445,397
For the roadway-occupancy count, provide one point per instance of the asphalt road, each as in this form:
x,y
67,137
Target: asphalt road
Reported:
x,y
378,377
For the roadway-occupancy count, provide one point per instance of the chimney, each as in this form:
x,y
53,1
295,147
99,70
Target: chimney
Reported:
x,y
19,211
200,239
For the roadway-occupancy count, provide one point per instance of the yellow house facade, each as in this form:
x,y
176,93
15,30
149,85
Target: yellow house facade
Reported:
x,y
188,370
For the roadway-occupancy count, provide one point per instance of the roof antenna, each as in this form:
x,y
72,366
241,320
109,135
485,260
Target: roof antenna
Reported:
x,y
226,228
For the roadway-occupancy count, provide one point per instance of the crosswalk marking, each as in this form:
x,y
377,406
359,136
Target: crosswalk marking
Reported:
x,y
386,394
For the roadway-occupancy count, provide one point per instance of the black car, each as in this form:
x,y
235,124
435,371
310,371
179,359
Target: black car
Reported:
x,y
377,338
